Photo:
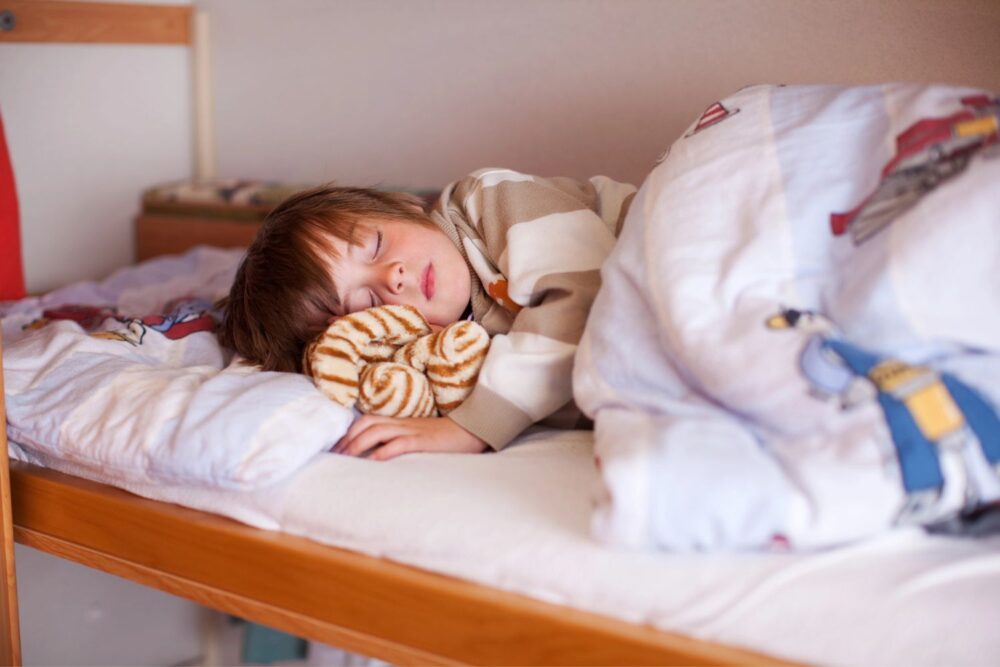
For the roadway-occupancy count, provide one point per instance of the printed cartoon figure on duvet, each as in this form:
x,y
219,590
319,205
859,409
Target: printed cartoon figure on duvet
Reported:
x,y
936,421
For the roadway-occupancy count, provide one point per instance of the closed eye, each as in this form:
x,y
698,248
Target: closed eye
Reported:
x,y
378,243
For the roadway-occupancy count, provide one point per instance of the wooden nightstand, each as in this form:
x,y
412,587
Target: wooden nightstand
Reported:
x,y
225,214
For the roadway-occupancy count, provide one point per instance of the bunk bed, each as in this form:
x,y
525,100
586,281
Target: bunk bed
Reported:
x,y
390,606
488,563
361,603
376,606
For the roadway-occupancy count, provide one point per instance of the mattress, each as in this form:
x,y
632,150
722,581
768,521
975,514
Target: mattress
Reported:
x,y
519,521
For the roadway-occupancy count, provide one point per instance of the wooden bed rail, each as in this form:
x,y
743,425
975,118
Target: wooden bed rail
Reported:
x,y
10,636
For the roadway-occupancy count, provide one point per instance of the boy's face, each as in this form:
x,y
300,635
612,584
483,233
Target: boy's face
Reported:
x,y
402,263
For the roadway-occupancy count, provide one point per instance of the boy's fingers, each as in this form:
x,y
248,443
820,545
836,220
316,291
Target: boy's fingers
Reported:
x,y
392,449
373,436
360,425
353,445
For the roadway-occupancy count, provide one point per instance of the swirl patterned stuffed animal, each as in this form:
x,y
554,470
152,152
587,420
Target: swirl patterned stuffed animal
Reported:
x,y
429,373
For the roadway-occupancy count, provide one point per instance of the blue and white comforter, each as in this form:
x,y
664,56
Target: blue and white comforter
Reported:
x,y
757,379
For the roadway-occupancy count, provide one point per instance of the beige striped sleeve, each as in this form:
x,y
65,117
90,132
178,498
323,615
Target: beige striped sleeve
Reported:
x,y
548,238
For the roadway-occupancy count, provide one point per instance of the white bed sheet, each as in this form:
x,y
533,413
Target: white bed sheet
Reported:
x,y
519,521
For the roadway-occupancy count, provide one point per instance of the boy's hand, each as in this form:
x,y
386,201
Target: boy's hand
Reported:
x,y
383,438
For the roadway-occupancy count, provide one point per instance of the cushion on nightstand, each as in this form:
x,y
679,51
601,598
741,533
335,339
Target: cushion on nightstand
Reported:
x,y
233,198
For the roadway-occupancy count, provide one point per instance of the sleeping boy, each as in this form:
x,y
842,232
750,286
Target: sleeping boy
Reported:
x,y
518,254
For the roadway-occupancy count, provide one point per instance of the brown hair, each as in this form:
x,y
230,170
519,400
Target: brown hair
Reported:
x,y
283,293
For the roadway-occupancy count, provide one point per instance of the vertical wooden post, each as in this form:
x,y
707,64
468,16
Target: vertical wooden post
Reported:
x,y
204,106
10,634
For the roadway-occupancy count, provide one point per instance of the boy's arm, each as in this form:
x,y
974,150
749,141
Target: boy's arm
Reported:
x,y
545,237
527,373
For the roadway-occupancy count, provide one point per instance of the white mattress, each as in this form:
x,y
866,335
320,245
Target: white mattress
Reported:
x,y
518,521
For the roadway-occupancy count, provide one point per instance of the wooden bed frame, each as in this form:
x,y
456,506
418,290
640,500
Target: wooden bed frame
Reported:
x,y
362,604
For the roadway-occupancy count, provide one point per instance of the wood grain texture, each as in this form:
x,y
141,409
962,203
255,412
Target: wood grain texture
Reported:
x,y
97,22
10,636
237,605
365,604
168,235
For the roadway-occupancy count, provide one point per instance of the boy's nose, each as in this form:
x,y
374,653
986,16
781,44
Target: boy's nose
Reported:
x,y
396,277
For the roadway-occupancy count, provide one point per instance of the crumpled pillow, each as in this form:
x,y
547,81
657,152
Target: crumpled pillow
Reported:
x,y
386,361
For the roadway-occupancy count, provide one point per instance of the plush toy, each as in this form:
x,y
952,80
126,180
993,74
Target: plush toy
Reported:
x,y
387,361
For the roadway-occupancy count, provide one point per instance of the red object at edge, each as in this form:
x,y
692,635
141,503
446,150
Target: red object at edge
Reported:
x,y
11,271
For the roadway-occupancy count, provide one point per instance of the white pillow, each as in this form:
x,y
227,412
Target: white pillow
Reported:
x,y
133,405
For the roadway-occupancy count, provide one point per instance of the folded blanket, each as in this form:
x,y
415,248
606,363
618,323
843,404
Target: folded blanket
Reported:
x,y
813,347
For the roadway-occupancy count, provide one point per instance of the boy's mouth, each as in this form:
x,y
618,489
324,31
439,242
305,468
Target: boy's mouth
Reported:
x,y
427,282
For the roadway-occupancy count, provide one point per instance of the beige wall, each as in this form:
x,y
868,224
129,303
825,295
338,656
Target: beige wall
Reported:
x,y
89,126
418,93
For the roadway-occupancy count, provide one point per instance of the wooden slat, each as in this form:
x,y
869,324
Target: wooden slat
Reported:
x,y
228,602
10,636
365,604
97,22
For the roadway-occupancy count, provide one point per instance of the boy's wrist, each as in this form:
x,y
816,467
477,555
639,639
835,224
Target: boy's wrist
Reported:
x,y
490,417
466,440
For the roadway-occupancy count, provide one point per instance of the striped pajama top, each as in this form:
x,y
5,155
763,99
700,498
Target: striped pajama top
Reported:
x,y
534,247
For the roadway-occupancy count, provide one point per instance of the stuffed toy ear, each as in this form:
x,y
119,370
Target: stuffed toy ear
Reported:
x,y
432,374
336,358
451,359
395,390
